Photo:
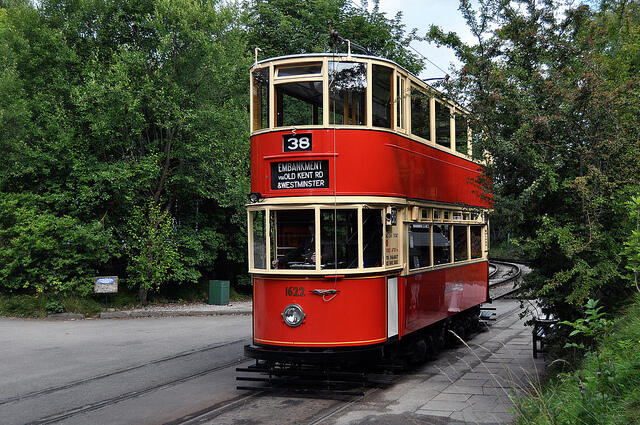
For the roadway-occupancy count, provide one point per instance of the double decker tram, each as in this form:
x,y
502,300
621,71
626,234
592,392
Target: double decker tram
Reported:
x,y
367,234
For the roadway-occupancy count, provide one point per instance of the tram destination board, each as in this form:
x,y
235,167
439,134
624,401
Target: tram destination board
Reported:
x,y
312,174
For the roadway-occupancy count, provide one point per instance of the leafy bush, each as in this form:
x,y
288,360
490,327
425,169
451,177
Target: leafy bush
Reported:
x,y
53,307
22,306
591,329
45,252
604,390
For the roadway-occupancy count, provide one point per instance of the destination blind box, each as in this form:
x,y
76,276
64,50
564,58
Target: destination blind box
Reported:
x,y
311,174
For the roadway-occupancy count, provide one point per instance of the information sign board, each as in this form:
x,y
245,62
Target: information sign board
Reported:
x,y
106,285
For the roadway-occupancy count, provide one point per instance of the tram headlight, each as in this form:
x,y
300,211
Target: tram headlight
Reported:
x,y
254,197
293,315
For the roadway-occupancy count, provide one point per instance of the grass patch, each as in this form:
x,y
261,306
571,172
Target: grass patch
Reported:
x,y
23,306
31,306
236,296
604,390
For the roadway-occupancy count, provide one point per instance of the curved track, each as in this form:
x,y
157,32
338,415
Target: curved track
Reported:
x,y
504,278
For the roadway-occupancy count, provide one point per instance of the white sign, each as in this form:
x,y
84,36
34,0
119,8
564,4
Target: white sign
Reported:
x,y
106,285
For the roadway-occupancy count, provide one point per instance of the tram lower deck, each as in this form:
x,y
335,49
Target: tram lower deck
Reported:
x,y
363,310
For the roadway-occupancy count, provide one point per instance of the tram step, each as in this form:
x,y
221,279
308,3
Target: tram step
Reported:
x,y
304,391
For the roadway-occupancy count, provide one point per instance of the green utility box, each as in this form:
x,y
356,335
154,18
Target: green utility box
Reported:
x,y
219,292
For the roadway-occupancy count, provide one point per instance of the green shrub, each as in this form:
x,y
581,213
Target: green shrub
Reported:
x,y
604,390
53,307
23,306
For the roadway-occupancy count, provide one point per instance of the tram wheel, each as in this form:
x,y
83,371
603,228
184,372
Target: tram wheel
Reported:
x,y
419,351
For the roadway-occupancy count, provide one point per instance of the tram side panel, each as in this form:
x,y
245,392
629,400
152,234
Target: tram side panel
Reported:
x,y
370,163
432,296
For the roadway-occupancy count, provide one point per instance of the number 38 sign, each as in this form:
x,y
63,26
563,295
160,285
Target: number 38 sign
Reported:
x,y
296,142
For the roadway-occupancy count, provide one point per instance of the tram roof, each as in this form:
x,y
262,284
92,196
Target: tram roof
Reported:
x,y
345,55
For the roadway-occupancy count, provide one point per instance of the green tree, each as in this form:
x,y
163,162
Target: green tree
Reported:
x,y
151,247
283,27
120,114
553,96
111,103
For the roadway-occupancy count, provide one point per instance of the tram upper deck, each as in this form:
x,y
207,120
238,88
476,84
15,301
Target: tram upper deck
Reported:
x,y
353,125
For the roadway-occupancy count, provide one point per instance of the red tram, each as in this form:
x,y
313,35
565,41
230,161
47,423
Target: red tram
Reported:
x,y
367,234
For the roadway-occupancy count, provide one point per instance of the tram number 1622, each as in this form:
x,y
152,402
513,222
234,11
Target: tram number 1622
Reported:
x,y
296,142
294,291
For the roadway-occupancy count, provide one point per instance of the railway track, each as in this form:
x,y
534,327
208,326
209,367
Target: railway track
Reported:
x,y
72,395
209,415
129,395
503,278
83,381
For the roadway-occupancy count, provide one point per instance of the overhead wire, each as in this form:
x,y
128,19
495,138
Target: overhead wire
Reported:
x,y
427,59
352,2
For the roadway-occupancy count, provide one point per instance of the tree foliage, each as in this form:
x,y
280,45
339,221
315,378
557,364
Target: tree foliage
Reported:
x,y
554,95
111,104
124,131
283,27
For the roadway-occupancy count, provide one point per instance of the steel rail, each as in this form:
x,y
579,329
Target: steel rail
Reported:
x,y
512,272
57,417
72,384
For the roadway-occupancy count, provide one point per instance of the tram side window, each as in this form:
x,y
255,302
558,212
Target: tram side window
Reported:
x,y
420,114
400,102
299,103
476,152
339,239
372,237
347,93
382,80
476,241
259,240
419,246
460,243
441,244
461,134
292,239
260,99
443,125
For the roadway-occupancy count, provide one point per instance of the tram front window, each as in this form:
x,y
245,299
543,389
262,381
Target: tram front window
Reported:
x,y
339,239
292,239
347,93
260,99
259,240
299,103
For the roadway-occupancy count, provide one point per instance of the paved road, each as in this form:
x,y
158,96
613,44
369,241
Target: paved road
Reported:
x,y
156,371
117,371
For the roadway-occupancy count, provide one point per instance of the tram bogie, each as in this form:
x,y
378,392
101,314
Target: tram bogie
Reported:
x,y
367,235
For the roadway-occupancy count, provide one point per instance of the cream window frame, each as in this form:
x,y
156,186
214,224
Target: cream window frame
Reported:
x,y
318,270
